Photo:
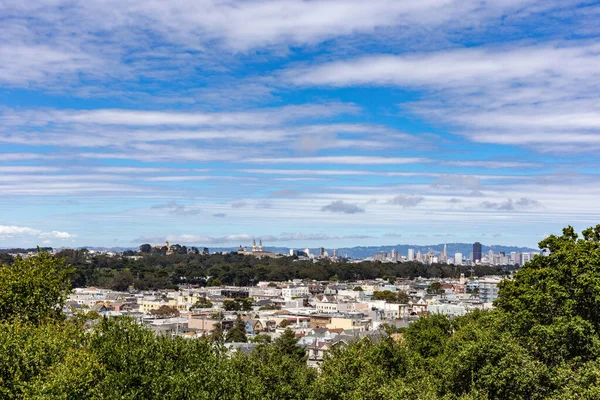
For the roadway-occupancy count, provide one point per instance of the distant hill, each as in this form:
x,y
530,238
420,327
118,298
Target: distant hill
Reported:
x,y
368,251
361,251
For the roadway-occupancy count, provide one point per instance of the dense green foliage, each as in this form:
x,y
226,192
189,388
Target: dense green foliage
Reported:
x,y
391,297
33,289
540,342
158,271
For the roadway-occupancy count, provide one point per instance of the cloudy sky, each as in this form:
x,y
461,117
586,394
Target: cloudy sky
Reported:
x,y
322,122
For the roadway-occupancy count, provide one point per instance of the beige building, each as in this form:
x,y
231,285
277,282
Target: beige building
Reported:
x,y
148,304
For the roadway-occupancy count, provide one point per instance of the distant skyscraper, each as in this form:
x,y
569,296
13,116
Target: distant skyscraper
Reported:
x,y
411,254
518,259
445,252
458,258
321,251
334,253
476,251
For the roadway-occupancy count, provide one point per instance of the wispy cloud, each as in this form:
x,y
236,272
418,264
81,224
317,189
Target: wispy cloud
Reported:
x,y
407,201
510,205
177,209
355,160
239,204
341,207
505,95
244,238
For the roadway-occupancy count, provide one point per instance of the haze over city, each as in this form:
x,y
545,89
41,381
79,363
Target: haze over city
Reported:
x,y
305,124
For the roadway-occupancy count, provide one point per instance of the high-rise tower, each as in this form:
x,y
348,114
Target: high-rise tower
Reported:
x,y
477,252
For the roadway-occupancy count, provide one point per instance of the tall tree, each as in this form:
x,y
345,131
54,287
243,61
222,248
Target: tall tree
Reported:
x,y
34,289
238,332
287,343
216,335
554,300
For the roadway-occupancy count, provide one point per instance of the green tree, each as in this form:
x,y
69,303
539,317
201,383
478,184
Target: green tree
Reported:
x,y
269,307
246,304
232,305
554,300
165,312
287,344
285,323
386,295
260,338
34,289
202,303
237,333
435,288
403,297
427,336
216,335
121,280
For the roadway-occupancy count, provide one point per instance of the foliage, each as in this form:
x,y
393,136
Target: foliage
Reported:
x,y
261,338
238,304
434,288
287,344
391,297
34,289
285,323
216,335
237,333
165,312
156,270
540,342
269,307
202,303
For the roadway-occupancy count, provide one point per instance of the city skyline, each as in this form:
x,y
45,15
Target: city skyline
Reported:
x,y
347,124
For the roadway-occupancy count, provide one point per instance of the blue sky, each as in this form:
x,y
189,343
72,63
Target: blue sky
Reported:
x,y
305,123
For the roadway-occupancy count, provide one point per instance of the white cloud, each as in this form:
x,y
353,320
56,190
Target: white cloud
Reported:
x,y
12,231
541,96
456,69
356,160
41,64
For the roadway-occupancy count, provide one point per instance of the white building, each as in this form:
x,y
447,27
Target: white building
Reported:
x,y
488,289
294,291
325,307
411,254
447,309
458,258
393,311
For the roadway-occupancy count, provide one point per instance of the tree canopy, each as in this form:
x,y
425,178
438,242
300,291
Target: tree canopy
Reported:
x,y
540,342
